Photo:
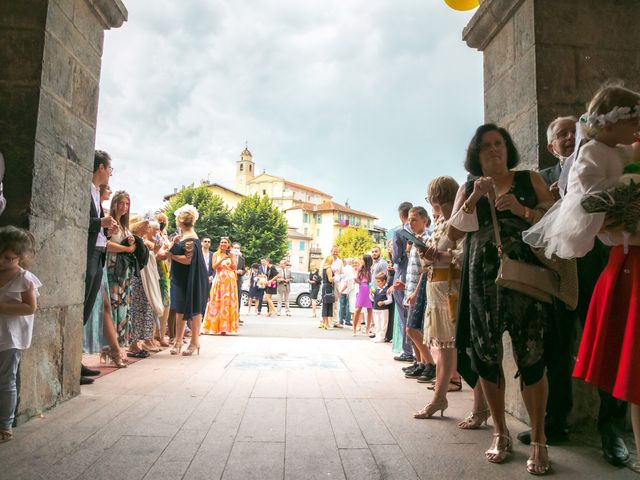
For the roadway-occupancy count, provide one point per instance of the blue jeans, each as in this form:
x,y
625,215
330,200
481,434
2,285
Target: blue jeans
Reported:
x,y
344,315
9,361
398,298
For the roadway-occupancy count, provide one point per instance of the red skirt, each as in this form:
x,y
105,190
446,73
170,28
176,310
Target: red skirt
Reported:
x,y
609,355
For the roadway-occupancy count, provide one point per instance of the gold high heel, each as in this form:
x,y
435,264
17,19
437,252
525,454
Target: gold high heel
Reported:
x,y
104,355
431,409
175,350
499,450
536,466
116,357
189,351
475,420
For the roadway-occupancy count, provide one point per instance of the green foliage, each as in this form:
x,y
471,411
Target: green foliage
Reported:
x,y
215,217
354,242
261,229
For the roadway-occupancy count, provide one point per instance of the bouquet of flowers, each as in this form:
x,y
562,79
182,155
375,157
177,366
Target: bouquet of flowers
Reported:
x,y
620,203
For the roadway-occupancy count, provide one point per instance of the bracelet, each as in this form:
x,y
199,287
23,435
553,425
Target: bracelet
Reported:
x,y
466,208
527,214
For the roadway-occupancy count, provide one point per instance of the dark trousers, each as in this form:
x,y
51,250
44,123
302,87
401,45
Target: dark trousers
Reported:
x,y
392,312
612,417
92,281
239,294
260,298
559,362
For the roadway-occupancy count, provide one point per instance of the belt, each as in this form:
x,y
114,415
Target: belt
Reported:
x,y
100,249
442,274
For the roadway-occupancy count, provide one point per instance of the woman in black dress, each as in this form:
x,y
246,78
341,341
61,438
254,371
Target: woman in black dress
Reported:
x,y
272,286
487,310
189,280
327,292
315,281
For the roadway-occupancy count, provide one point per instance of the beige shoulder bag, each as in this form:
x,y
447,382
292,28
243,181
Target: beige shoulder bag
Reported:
x,y
532,280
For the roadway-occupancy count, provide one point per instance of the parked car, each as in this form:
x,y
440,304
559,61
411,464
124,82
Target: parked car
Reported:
x,y
299,295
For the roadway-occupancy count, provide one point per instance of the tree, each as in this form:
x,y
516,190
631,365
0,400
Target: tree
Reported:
x,y
215,218
354,242
261,228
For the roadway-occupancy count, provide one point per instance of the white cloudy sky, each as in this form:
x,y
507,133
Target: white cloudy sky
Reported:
x,y
365,100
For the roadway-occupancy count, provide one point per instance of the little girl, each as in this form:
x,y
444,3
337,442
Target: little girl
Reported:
x,y
609,355
18,294
381,298
363,277
610,125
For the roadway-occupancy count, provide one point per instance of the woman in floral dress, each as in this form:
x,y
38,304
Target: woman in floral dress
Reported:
x,y
222,311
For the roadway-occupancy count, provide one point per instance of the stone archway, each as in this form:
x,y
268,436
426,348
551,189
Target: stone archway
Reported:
x,y
50,52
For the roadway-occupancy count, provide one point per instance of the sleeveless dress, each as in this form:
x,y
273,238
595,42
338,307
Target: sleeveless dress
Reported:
x,y
609,355
487,310
222,311
189,283
363,300
120,292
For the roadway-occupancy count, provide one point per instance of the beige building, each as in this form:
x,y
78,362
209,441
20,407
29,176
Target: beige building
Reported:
x,y
325,222
299,248
230,197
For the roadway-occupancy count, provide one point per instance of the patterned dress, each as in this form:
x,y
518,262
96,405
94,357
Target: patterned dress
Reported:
x,y
142,317
487,310
222,311
120,293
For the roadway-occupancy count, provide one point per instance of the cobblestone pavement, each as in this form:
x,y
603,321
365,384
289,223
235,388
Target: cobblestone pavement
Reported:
x,y
281,400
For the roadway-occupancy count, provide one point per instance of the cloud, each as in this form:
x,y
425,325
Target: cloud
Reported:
x,y
364,100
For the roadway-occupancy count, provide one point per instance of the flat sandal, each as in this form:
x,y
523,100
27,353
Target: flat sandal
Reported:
x,y
498,450
536,466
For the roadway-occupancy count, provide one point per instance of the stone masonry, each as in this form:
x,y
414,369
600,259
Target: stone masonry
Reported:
x,y
50,52
544,59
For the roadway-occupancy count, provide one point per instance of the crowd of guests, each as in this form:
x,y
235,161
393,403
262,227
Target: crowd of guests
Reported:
x,y
147,290
450,296
441,297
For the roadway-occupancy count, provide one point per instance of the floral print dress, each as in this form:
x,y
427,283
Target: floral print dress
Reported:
x,y
222,311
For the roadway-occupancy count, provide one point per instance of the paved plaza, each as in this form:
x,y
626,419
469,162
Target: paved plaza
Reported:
x,y
281,400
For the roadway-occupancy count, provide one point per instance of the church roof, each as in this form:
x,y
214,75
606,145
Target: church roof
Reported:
x,y
308,189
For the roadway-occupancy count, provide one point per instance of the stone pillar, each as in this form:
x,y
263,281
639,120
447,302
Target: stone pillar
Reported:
x,y
544,59
50,52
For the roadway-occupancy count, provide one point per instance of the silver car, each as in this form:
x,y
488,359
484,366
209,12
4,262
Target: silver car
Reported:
x,y
300,290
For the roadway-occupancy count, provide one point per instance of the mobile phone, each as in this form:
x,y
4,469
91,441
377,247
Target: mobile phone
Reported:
x,y
410,237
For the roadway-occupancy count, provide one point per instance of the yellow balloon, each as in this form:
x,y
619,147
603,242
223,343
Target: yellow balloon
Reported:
x,y
462,5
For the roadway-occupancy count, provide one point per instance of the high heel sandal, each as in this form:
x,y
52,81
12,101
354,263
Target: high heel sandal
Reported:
x,y
175,350
115,357
189,351
475,420
431,409
536,466
499,450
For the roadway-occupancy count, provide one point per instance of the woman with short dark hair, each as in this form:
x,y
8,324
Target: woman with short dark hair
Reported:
x,y
486,309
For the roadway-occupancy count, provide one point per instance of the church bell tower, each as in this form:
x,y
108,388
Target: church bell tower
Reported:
x,y
245,171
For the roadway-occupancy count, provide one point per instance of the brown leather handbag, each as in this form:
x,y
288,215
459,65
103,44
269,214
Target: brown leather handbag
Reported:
x,y
532,280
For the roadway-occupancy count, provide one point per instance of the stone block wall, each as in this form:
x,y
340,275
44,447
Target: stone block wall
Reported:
x,y
544,59
53,51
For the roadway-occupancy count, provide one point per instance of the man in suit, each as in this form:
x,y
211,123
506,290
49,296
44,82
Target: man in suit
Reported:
x,y
208,256
612,415
241,268
99,223
400,261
